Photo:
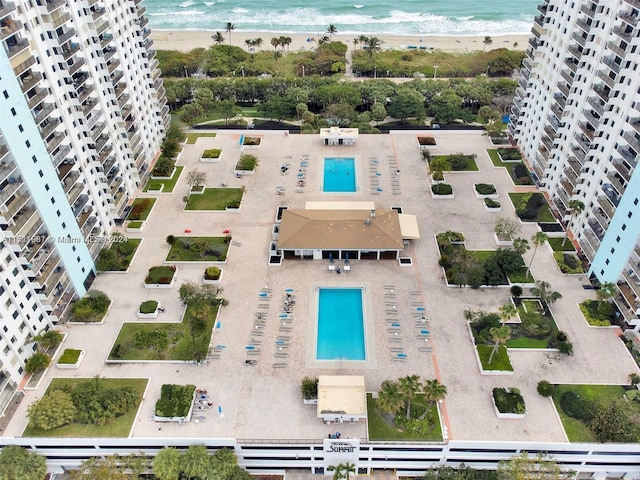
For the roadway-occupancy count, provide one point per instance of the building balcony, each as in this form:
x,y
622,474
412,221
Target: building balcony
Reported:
x,y
583,142
565,73
604,92
88,225
87,107
606,205
70,181
611,63
109,52
105,39
561,100
80,80
606,77
612,195
571,63
113,64
144,21
54,141
120,88
15,46
624,32
146,32
597,104
622,169
6,8
584,24
101,141
629,297
579,38
630,275
588,9
589,133
8,27
571,176
97,129
617,181
631,17
592,120
4,151
633,3
60,155
80,62
164,111
93,119
603,220
69,50
58,19
23,220
575,165
633,139
565,89
618,48
588,250
596,229
122,100
28,81
66,35
116,77
43,112
576,51
102,26
22,67
64,169
47,128
153,65
53,5
97,12
567,189
84,92
105,155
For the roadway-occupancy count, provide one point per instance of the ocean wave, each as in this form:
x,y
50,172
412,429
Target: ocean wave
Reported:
x,y
464,18
358,6
209,4
186,4
186,13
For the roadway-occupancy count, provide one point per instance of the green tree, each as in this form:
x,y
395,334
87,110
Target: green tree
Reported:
x,y
378,112
48,340
576,207
390,398
340,114
218,38
524,467
53,410
195,462
196,178
37,362
407,103
167,465
224,463
433,390
18,463
113,467
487,41
332,30
189,112
227,109
506,228
409,387
538,240
229,27
437,167
543,291
446,107
373,46
521,245
545,388
507,312
500,336
616,421
607,291
462,261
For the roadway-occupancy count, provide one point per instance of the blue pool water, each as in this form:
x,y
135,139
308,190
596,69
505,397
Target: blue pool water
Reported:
x,y
339,175
340,324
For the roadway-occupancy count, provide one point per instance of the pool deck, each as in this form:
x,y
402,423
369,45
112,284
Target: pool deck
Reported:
x,y
263,402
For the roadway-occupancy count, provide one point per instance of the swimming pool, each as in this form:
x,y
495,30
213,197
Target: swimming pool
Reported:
x,y
340,324
339,175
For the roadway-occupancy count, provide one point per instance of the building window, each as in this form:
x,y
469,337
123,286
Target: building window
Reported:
x,y
606,262
624,227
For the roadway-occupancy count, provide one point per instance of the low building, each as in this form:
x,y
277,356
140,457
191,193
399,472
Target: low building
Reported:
x,y
341,398
338,136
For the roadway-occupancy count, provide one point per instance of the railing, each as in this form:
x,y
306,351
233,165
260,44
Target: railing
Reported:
x,y
13,50
9,28
53,5
30,80
604,76
6,8
632,140
35,100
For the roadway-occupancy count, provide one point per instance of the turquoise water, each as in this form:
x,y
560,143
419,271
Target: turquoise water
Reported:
x,y
340,324
339,175
409,17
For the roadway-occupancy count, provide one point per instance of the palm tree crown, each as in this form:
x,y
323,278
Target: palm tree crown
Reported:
x,y
507,312
229,27
538,240
331,30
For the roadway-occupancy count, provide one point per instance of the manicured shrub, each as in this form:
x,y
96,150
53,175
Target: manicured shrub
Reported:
x,y
516,291
90,308
171,239
212,273
458,161
163,168
545,388
247,162
519,171
175,400
485,188
565,347
509,401
445,262
490,203
170,147
577,407
509,154
309,388
150,306
251,141
37,362
442,189
157,340
126,248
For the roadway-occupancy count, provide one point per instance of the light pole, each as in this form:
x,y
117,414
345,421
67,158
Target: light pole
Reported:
x,y
435,71
375,72
242,68
303,70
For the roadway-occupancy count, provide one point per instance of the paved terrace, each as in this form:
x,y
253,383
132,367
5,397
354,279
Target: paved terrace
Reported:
x,y
260,402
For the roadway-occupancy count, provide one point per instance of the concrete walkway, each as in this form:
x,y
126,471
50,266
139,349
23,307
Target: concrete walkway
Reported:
x,y
262,402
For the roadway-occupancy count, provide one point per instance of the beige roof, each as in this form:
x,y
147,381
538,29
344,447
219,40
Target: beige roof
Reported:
x,y
315,205
342,393
339,229
337,132
409,226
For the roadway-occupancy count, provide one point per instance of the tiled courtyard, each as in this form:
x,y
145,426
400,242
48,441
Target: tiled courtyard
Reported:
x,y
263,402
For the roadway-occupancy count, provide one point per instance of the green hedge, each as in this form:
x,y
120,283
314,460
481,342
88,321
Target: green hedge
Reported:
x,y
590,310
490,203
442,189
175,400
485,188
509,154
150,306
509,401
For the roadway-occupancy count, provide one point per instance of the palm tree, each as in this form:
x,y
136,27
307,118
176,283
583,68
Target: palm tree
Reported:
x,y
167,464
374,45
363,40
258,43
463,260
437,167
634,379
487,41
249,43
390,398
337,471
218,38
433,390
607,291
275,42
520,245
543,291
356,41
286,43
538,240
195,461
229,27
500,336
576,207
223,463
409,386
507,312
331,30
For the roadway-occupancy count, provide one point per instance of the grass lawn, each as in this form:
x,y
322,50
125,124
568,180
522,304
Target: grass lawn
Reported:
x,y
495,159
500,359
169,183
214,198
482,255
472,166
520,276
544,214
145,210
524,342
556,245
180,342
216,250
381,430
158,273
193,136
575,429
120,427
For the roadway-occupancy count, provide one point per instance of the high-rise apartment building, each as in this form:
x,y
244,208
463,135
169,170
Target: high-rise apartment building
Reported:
x,y
577,120
82,115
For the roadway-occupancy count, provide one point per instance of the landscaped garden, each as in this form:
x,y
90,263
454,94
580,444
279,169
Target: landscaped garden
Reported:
x,y
160,275
598,313
508,401
563,253
198,249
118,256
517,169
598,413
479,267
193,136
406,410
165,185
500,360
215,199
91,308
175,401
141,208
148,307
458,162
80,407
70,356
247,163
531,207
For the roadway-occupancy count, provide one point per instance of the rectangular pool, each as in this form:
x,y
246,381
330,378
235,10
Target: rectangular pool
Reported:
x,y
340,324
339,175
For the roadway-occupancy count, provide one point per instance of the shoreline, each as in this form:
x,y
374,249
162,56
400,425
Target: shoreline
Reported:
x,y
186,40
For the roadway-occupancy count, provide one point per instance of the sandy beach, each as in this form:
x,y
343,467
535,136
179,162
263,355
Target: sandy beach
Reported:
x,y
185,40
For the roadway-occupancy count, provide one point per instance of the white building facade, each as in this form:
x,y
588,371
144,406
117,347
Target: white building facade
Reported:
x,y
83,115
576,119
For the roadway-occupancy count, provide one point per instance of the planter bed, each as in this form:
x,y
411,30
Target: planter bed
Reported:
x,y
405,262
164,185
489,188
568,263
503,242
510,154
161,277
162,177
135,226
491,205
141,209
70,359
426,142
183,249
508,403
149,310
589,310
175,403
275,260
501,364
251,142
531,207
212,155
457,163
212,281
446,191
279,213
214,199
118,257
514,168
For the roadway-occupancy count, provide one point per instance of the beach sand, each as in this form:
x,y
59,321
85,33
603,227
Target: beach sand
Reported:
x,y
185,40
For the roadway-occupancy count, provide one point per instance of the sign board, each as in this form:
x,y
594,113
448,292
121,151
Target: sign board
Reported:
x,y
339,450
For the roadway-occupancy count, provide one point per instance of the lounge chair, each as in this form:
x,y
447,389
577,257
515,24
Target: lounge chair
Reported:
x,y
279,365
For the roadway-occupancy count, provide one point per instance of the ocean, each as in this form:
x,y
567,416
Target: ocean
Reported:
x,y
374,17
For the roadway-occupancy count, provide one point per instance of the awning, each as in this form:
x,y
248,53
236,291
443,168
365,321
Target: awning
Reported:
x,y
409,227
316,205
